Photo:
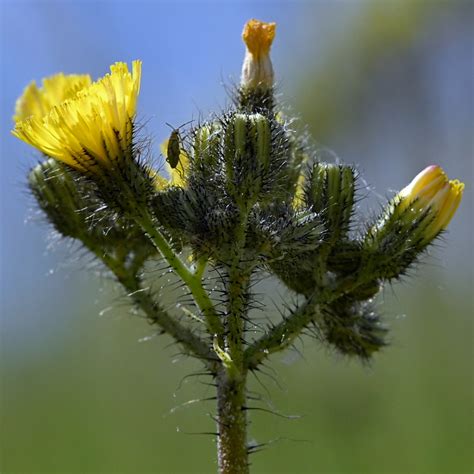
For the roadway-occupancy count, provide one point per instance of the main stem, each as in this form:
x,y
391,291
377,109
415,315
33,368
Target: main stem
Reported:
x,y
232,378
232,423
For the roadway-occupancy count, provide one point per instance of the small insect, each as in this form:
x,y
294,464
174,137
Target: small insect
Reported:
x,y
173,151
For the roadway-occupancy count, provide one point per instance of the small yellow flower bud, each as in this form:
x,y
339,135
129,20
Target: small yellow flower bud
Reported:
x,y
257,70
432,190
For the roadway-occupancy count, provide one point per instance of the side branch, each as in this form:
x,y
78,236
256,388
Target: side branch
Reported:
x,y
192,280
191,343
282,335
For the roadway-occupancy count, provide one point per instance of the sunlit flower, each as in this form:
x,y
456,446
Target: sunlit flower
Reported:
x,y
92,127
431,191
257,69
38,102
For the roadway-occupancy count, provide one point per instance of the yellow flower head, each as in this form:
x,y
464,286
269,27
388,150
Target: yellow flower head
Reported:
x,y
257,69
89,127
431,189
55,89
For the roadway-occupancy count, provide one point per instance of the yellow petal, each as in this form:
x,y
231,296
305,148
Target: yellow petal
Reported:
x,y
82,124
258,36
56,89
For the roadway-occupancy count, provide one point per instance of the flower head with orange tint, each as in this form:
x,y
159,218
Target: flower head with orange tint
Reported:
x,y
257,69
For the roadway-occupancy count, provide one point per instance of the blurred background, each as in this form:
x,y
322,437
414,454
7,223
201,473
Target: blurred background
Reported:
x,y
387,85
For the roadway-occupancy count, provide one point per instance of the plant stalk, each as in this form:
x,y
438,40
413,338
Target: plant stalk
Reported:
x,y
192,280
232,423
231,380
191,343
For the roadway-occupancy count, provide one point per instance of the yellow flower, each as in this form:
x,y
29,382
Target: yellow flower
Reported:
x,y
55,89
257,69
431,190
178,175
92,127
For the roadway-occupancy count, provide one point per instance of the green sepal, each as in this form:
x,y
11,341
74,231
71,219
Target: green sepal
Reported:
x,y
330,192
246,152
395,241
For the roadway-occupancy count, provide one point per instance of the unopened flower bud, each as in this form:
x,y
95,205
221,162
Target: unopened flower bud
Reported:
x,y
411,221
247,147
257,70
331,194
431,192
58,196
72,207
206,147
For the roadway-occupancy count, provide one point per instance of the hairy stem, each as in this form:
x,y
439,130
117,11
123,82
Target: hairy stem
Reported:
x,y
282,335
191,343
232,424
192,280
239,274
231,381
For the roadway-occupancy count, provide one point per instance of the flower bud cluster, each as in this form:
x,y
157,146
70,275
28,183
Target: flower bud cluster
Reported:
x,y
238,195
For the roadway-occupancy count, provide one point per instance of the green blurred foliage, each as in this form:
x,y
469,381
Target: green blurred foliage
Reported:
x,y
338,87
101,402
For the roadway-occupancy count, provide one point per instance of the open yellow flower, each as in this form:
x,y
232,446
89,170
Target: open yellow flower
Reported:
x,y
38,102
92,127
431,189
257,69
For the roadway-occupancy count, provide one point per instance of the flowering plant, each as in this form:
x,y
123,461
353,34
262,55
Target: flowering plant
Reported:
x,y
244,196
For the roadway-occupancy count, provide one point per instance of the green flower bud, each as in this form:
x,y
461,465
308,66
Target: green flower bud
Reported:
x,y
353,328
57,194
330,193
72,207
247,156
206,147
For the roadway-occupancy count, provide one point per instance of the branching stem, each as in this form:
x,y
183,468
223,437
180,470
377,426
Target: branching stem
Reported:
x,y
282,335
191,343
192,280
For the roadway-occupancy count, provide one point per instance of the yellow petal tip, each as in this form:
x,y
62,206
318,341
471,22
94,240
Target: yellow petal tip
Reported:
x,y
457,186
